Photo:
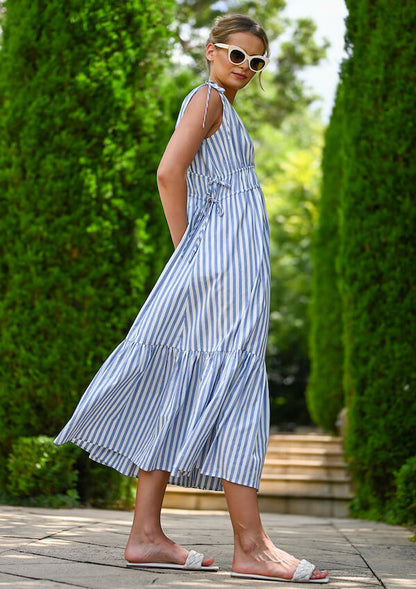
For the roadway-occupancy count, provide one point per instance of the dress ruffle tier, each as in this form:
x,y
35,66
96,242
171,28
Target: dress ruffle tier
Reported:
x,y
200,403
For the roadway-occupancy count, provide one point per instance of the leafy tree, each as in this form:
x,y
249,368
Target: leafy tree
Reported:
x,y
82,127
288,166
325,394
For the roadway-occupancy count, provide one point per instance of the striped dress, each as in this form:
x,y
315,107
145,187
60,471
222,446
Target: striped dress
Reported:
x,y
187,391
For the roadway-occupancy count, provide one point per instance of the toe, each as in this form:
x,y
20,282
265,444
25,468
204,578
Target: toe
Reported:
x,y
317,574
207,562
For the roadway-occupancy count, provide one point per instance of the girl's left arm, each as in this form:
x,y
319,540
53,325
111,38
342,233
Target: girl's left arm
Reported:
x,y
179,153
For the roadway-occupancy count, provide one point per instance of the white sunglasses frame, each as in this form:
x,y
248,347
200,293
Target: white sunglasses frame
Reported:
x,y
246,56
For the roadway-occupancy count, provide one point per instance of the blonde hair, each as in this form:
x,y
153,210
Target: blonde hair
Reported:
x,y
224,26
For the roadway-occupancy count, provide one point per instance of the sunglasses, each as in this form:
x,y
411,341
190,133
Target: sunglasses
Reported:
x,y
237,56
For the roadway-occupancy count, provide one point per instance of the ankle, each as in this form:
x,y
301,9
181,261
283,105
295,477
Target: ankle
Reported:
x,y
250,542
146,533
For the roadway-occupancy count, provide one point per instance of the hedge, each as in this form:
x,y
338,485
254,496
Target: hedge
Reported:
x,y
40,472
377,244
82,129
402,509
324,393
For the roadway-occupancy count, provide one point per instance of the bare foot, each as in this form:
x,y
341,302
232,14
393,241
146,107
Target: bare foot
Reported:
x,y
158,549
264,558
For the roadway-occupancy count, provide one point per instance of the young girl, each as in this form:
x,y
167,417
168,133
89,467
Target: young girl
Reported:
x,y
184,398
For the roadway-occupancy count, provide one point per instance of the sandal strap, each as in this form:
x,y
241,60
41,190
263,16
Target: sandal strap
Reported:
x,y
304,571
194,560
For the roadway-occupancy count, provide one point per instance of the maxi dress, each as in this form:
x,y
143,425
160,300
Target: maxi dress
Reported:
x,y
187,391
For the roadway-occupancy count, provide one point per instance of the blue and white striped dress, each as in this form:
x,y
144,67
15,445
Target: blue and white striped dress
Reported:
x,y
187,391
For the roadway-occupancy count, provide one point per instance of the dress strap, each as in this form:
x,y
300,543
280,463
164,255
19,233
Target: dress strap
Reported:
x,y
210,85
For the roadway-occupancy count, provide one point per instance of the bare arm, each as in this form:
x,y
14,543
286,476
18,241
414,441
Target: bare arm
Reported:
x,y
179,153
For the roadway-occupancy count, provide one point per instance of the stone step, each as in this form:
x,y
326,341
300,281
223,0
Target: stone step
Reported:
x,y
309,437
305,505
179,498
304,442
305,485
304,454
317,467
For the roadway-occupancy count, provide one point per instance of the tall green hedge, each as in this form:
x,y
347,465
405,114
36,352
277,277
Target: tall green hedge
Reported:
x,y
82,128
324,393
377,244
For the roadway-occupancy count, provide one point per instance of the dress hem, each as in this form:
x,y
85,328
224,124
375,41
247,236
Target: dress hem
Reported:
x,y
125,465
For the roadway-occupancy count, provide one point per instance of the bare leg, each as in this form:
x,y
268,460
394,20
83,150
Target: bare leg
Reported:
x,y
147,542
254,552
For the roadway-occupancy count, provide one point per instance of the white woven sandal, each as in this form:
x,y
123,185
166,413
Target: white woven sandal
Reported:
x,y
193,563
302,574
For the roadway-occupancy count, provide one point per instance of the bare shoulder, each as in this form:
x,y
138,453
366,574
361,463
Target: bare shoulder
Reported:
x,y
195,110
201,95
191,130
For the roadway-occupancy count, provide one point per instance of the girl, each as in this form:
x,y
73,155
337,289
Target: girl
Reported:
x,y
184,398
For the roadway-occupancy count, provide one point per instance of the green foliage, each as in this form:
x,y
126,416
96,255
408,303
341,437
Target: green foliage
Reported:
x,y
103,487
39,471
403,505
400,507
377,245
42,474
325,394
82,129
287,162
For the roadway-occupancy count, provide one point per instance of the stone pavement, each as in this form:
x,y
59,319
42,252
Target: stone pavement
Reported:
x,y
51,549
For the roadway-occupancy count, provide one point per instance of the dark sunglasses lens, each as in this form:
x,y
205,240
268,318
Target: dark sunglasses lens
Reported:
x,y
257,64
237,56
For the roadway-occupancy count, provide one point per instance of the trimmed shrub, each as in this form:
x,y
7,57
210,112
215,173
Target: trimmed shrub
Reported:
x,y
403,505
325,394
42,472
377,245
82,129
103,487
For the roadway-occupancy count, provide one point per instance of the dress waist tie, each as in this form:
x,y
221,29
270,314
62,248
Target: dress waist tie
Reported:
x,y
199,221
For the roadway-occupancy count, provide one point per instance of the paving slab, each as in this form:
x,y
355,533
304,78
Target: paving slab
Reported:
x,y
83,548
386,550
